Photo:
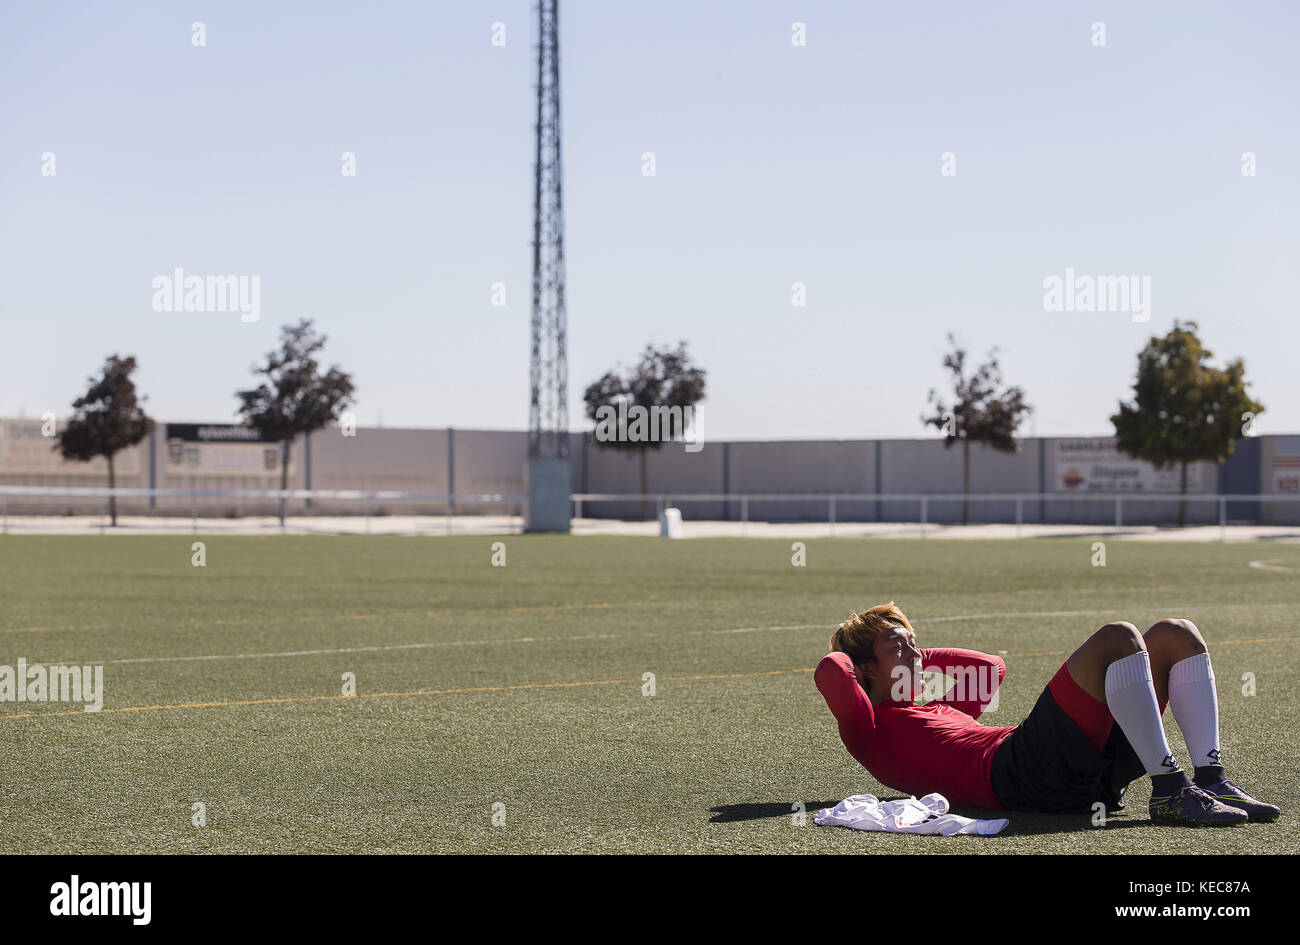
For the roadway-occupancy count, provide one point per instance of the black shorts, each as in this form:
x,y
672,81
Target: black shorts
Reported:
x,y
1049,764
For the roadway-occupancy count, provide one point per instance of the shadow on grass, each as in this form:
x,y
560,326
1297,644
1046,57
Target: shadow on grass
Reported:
x,y
731,813
1035,823
1022,823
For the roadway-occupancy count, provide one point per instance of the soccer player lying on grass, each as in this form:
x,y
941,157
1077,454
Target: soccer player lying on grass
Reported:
x,y
1068,754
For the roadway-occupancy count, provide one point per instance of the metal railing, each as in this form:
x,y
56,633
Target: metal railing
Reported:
x,y
369,499
663,500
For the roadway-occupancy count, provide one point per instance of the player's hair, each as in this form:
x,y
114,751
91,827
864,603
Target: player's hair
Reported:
x,y
857,635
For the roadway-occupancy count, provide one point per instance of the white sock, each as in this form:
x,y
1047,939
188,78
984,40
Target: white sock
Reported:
x,y
1131,697
1195,705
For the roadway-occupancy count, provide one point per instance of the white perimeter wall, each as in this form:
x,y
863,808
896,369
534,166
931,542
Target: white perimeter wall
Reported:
x,y
491,461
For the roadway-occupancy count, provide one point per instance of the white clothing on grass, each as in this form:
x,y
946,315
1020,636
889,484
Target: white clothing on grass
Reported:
x,y
929,815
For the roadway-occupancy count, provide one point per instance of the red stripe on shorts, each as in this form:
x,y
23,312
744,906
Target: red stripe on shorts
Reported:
x,y
1092,717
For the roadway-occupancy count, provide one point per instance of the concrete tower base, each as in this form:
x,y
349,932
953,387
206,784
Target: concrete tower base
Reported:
x,y
546,483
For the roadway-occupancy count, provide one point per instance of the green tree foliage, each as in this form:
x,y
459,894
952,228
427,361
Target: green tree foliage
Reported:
x,y
295,397
979,413
1183,410
106,419
664,378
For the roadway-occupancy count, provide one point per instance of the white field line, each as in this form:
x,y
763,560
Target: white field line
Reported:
x,y
611,636
927,620
793,626
1270,565
328,652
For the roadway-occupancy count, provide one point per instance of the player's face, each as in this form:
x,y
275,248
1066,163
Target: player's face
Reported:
x,y
898,663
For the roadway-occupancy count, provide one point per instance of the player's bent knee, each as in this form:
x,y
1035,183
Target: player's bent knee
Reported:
x,y
1179,630
1120,639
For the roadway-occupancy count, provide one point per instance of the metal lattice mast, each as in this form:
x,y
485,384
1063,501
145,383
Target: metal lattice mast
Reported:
x,y
548,420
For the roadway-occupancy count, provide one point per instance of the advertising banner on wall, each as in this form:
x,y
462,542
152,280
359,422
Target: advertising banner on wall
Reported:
x,y
1094,464
1286,474
27,448
226,449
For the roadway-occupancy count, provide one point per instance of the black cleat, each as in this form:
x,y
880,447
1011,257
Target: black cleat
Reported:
x,y
1225,791
1189,806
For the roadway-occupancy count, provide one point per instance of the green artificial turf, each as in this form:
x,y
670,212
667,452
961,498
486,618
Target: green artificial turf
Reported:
x,y
529,693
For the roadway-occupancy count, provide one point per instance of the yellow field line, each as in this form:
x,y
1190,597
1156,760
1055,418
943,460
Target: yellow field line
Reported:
x,y
1214,644
520,686
1259,640
384,695
41,629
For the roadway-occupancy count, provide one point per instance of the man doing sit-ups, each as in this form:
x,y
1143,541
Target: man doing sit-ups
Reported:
x,y
1095,728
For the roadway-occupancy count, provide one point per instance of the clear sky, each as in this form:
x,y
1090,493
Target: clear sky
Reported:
x,y
775,164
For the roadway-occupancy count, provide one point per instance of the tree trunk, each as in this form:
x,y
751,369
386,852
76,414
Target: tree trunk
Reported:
x,y
1182,504
284,474
644,501
965,481
112,499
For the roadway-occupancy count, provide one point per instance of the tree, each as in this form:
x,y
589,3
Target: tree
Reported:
x,y
106,419
661,389
1183,411
295,397
979,413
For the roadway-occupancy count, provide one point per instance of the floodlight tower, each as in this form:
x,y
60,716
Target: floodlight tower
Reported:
x,y
546,475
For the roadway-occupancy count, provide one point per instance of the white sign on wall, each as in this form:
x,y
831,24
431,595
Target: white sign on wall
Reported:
x,y
1286,475
1093,464
220,449
26,450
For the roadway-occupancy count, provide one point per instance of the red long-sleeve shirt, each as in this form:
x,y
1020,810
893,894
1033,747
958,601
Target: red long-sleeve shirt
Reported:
x,y
920,749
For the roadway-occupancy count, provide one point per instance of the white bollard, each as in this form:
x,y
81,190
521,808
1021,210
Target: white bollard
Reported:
x,y
670,523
